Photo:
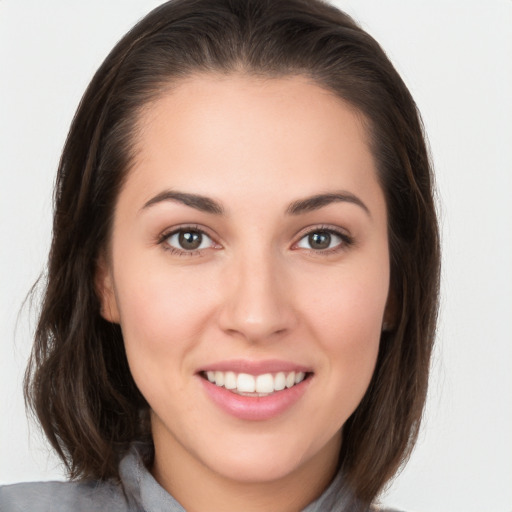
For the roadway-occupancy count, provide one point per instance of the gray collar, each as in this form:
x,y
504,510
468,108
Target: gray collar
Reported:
x,y
144,493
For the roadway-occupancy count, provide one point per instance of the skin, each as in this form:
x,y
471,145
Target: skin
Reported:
x,y
256,289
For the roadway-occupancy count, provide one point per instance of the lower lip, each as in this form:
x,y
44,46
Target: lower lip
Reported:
x,y
255,408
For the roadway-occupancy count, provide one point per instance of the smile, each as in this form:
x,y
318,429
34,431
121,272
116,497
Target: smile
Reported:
x,y
255,391
254,385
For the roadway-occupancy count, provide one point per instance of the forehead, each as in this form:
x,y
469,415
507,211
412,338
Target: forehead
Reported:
x,y
220,132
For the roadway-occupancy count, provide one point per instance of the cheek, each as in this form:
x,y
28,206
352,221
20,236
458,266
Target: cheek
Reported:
x,y
350,344
159,309
161,320
349,308
345,316
351,339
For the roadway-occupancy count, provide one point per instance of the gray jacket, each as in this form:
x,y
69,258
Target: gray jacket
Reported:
x,y
138,491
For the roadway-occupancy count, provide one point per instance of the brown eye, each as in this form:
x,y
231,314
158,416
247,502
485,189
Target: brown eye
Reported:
x,y
187,240
190,240
321,240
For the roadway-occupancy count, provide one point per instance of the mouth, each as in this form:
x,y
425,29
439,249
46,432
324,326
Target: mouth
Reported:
x,y
255,390
245,384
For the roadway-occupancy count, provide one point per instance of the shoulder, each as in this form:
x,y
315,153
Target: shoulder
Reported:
x,y
63,497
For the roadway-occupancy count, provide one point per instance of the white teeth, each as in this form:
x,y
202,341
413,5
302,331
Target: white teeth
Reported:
x,y
280,381
230,380
265,383
245,383
262,385
219,378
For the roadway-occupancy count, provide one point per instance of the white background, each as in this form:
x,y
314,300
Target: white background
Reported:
x,y
456,57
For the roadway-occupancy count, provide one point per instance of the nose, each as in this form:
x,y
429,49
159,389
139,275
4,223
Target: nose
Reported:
x,y
257,300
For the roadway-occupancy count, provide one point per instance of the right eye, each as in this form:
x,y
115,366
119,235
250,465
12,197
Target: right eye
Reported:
x,y
187,240
320,240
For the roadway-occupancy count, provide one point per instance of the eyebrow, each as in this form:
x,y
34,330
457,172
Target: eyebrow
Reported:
x,y
202,203
208,205
320,200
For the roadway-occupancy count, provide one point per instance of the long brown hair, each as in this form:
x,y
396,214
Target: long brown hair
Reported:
x,y
78,382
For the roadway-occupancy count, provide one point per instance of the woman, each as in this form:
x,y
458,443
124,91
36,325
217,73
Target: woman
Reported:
x,y
243,280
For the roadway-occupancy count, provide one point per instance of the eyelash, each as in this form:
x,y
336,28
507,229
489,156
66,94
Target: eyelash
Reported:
x,y
346,240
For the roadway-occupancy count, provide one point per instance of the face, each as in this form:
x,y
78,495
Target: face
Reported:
x,y
249,271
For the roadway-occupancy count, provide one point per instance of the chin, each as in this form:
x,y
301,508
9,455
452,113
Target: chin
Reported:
x,y
264,462
257,470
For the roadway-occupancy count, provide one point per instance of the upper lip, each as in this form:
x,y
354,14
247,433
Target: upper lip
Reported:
x,y
253,367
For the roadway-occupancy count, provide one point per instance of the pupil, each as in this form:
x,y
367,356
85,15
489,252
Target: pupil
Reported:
x,y
190,239
320,240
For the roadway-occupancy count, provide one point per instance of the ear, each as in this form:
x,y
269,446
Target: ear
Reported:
x,y
389,321
104,285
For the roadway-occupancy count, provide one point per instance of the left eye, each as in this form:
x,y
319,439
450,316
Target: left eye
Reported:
x,y
320,240
189,240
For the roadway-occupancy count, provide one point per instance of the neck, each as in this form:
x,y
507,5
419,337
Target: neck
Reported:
x,y
198,488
